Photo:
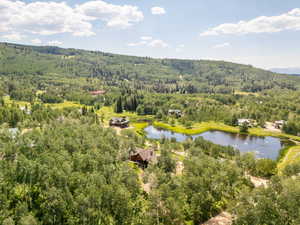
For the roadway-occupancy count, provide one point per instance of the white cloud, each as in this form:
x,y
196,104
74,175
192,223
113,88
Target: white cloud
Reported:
x,y
158,10
137,43
48,18
13,37
158,44
54,43
146,38
114,15
150,42
262,24
43,18
36,41
224,45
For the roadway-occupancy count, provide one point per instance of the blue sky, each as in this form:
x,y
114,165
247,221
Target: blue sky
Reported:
x,y
268,37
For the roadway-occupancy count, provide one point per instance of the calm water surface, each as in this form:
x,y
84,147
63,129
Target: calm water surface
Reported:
x,y
263,147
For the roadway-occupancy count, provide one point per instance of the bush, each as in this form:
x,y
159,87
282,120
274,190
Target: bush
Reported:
x,y
244,128
51,98
265,168
292,169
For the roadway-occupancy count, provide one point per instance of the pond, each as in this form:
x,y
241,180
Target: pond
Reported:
x,y
263,147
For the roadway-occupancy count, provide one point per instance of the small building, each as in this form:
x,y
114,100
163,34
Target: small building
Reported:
x,y
241,122
98,92
143,157
249,122
119,122
175,112
279,124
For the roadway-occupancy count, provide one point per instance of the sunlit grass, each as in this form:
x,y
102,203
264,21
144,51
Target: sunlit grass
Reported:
x,y
40,92
139,127
197,128
264,132
65,104
292,156
137,121
245,93
9,101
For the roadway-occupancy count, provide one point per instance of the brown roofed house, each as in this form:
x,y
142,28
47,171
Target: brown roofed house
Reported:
x,y
119,122
143,157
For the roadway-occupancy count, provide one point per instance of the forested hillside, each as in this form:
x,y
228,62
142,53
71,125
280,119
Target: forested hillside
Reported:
x,y
63,162
161,75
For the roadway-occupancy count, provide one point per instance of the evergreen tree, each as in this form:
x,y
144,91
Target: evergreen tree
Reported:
x,y
244,128
119,106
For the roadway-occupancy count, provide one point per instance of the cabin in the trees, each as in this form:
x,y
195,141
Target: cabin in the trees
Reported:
x,y
119,122
279,124
98,92
175,112
248,122
241,122
143,157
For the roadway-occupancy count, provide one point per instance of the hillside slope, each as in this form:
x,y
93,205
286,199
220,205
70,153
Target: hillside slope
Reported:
x,y
197,75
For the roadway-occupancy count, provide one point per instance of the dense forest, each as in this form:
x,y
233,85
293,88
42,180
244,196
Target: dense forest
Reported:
x,y
61,163
159,75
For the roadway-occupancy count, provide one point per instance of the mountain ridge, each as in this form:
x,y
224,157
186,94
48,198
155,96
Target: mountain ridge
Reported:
x,y
198,75
72,50
287,70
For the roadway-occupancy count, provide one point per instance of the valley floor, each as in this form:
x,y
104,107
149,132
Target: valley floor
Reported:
x,y
138,124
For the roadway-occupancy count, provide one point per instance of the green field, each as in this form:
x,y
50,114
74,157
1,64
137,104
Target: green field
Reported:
x,y
292,156
65,104
9,101
197,128
106,113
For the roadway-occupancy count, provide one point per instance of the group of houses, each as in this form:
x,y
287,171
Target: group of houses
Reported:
x,y
248,122
252,123
142,157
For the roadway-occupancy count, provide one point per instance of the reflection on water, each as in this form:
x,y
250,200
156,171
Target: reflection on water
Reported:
x,y
263,147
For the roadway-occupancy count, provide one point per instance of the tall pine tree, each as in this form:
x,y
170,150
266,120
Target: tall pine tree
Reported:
x,y
119,106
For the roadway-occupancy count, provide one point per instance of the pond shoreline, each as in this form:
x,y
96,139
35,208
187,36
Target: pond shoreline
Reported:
x,y
262,147
199,128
